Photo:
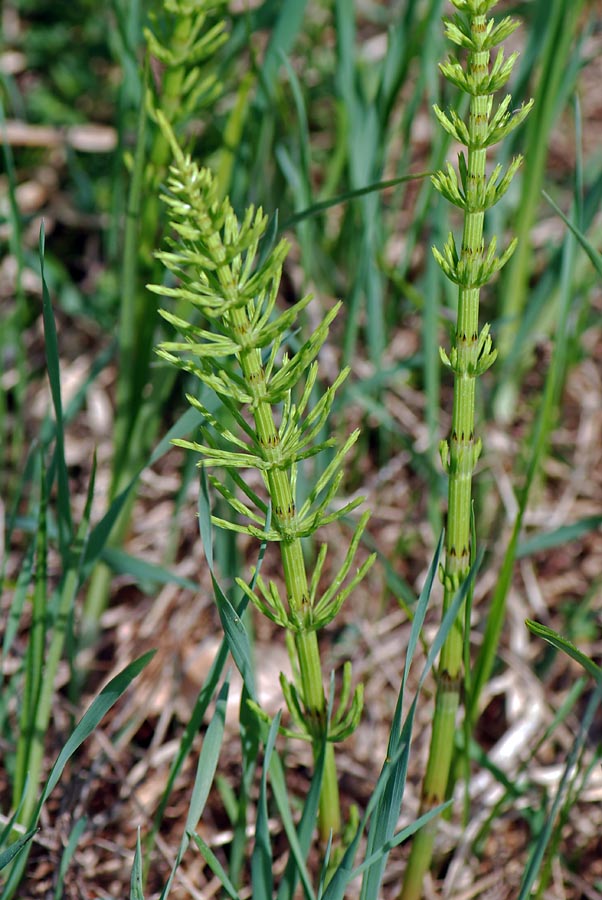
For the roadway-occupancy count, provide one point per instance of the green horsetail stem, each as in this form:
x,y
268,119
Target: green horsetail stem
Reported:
x,y
471,354
236,353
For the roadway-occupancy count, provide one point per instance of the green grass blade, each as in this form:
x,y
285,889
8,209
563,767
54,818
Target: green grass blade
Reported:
x,y
208,759
282,39
236,634
76,832
147,575
383,823
18,599
136,886
262,877
548,540
237,638
34,664
7,856
594,256
396,764
299,840
190,732
561,643
205,773
316,208
401,836
537,856
52,360
87,724
215,866
98,709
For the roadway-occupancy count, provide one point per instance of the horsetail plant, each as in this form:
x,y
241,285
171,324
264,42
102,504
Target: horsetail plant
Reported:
x,y
184,39
470,267
265,422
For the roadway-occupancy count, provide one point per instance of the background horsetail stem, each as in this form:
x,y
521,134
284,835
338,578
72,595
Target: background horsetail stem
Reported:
x,y
470,356
186,56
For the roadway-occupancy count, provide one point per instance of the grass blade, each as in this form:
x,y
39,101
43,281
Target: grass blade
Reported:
x,y
84,728
262,877
215,866
561,643
52,361
7,856
76,832
136,887
534,864
205,773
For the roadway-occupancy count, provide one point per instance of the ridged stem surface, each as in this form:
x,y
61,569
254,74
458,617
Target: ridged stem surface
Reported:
x,y
462,452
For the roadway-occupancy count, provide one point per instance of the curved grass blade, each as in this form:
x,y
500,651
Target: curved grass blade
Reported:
x,y
560,643
593,255
316,208
87,724
148,575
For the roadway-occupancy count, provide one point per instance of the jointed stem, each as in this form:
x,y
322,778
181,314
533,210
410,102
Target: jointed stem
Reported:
x,y
295,577
214,259
459,455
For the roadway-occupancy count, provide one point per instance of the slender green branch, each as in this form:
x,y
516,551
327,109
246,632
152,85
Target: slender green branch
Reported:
x,y
471,354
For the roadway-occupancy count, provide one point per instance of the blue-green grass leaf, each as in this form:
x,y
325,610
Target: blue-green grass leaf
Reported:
x,y
336,885
399,838
236,635
192,729
208,760
282,39
547,540
204,511
145,573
